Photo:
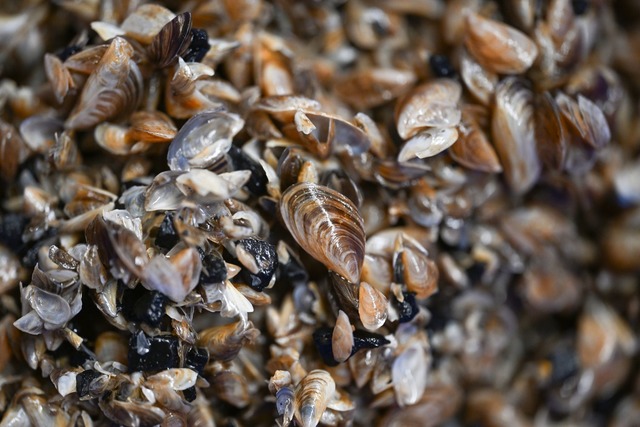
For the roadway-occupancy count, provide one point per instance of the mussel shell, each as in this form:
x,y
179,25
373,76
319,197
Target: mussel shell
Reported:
x,y
327,225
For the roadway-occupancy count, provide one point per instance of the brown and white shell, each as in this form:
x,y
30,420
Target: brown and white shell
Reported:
x,y
327,225
312,395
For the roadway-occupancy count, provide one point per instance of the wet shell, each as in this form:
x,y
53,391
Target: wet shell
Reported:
x,y
410,373
312,396
342,338
433,104
113,88
372,307
152,126
513,131
327,225
499,47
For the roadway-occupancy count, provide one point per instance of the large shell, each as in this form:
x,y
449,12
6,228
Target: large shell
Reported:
x,y
327,225
514,134
499,47
113,88
312,396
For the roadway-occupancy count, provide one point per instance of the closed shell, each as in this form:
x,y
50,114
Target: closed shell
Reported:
x,y
327,225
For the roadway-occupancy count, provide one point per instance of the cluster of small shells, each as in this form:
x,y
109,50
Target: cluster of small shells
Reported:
x,y
303,212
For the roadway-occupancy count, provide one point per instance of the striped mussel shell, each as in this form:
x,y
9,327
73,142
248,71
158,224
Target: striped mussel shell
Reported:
x,y
327,225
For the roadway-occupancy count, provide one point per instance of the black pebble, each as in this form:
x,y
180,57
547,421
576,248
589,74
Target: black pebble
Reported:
x,y
580,7
361,340
322,340
292,272
167,237
11,226
266,259
163,354
441,67
564,363
196,359
257,184
214,270
199,46
189,394
150,308
408,308
68,51
83,381
364,339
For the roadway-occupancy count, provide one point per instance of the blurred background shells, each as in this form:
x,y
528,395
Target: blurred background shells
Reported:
x,y
319,213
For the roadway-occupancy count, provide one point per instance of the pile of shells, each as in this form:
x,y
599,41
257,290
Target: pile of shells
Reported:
x,y
300,213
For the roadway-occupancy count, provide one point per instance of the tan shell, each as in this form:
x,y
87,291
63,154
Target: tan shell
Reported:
x,y
312,396
473,148
372,307
373,87
499,47
342,338
225,342
327,225
113,88
59,76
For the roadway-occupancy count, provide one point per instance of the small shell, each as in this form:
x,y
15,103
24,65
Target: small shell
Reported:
x,y
175,277
372,307
433,104
183,97
146,22
409,374
172,41
342,338
480,82
152,126
514,134
232,388
428,143
370,88
11,148
585,120
211,186
473,149
499,47
312,396
59,76
203,140
327,225
225,342
113,88
418,272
